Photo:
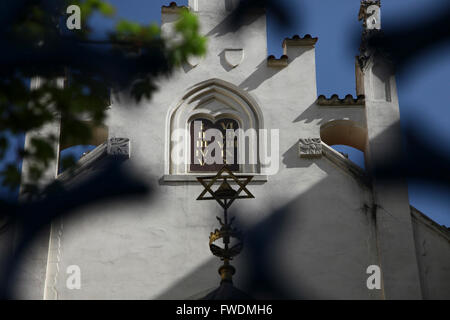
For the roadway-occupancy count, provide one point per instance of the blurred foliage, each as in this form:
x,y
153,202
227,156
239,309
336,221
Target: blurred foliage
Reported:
x,y
37,44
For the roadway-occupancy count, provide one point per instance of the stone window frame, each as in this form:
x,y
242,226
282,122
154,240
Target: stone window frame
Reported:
x,y
202,101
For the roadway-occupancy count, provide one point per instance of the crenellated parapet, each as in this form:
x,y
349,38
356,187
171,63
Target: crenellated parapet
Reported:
x,y
296,46
291,48
334,100
297,41
274,62
172,8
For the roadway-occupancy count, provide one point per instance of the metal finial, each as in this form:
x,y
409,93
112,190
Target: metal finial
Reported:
x,y
225,196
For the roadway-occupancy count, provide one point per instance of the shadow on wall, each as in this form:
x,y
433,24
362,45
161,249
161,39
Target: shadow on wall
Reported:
x,y
291,158
322,115
410,157
231,25
112,181
259,76
313,113
305,249
258,260
264,73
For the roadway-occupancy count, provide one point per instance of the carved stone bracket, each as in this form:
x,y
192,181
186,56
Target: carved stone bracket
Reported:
x,y
119,147
310,148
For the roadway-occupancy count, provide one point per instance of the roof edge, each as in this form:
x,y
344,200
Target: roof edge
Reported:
x,y
113,147
84,162
422,217
346,164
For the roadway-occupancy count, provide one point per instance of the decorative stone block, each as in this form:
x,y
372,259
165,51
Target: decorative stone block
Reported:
x,y
310,148
119,147
234,57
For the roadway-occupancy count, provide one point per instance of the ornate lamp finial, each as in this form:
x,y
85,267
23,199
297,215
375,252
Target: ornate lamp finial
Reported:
x,y
225,196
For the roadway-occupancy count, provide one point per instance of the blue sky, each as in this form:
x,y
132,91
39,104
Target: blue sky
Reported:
x,y
424,86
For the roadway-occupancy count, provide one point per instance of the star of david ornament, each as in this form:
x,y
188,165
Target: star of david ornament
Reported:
x,y
225,194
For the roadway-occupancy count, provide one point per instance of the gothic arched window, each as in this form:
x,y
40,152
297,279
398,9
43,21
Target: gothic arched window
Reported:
x,y
218,105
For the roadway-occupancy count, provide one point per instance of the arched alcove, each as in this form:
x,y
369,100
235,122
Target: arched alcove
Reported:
x,y
214,100
344,132
347,137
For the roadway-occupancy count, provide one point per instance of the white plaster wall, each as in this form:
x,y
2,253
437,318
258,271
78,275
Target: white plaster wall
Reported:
x,y
433,255
312,229
311,221
316,241
394,227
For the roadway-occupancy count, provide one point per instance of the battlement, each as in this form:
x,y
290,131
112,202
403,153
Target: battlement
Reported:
x,y
172,8
281,62
334,100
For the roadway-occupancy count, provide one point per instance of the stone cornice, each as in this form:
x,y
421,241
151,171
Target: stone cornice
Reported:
x,y
277,63
334,100
173,8
306,41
